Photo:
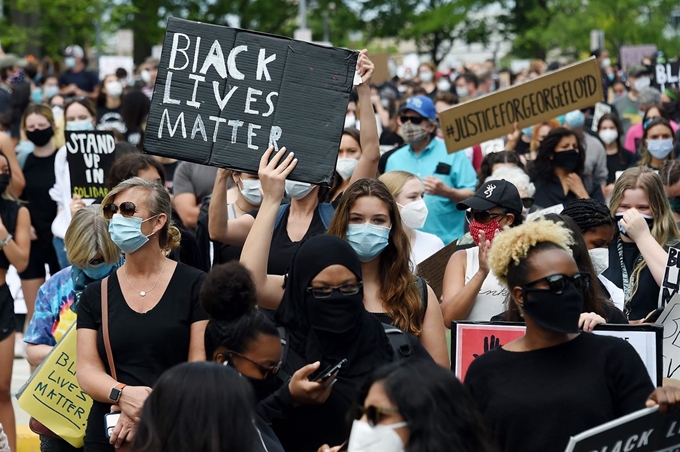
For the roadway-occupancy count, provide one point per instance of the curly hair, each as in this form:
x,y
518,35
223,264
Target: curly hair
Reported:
x,y
513,246
543,168
398,290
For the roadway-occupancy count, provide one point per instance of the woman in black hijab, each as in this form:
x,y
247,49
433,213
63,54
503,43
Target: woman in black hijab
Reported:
x,y
324,317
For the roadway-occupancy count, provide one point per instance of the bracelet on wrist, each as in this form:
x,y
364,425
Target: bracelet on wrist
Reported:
x,y
5,241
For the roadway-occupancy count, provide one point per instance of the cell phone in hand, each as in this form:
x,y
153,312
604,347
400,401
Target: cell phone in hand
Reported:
x,y
328,372
110,421
443,168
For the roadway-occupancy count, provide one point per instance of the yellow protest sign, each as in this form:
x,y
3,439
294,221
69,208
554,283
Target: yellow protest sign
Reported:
x,y
485,118
52,395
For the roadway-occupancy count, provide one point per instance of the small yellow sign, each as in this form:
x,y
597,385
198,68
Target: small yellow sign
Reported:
x,y
52,395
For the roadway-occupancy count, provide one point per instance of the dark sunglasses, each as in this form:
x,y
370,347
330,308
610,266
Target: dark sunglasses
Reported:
x,y
559,283
127,209
482,216
374,413
413,119
96,261
327,291
266,370
528,203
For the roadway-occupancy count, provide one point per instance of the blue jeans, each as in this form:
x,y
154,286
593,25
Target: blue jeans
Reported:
x,y
60,248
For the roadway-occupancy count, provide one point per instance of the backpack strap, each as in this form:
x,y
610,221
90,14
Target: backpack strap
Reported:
x,y
326,211
424,296
280,214
401,346
283,336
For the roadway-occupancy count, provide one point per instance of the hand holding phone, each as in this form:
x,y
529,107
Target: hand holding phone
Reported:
x,y
110,421
329,372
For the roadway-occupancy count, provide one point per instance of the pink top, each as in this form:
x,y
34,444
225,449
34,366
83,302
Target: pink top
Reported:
x,y
634,136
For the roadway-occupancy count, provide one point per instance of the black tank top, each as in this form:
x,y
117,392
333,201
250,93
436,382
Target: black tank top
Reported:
x,y
9,211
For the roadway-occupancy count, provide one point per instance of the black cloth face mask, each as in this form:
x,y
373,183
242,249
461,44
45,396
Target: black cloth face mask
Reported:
x,y
554,312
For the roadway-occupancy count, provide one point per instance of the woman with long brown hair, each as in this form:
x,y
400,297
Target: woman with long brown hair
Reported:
x,y
368,218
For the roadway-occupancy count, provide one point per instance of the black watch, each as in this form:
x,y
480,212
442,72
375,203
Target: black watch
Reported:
x,y
116,392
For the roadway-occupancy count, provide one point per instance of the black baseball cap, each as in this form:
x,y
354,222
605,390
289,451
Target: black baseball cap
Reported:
x,y
494,193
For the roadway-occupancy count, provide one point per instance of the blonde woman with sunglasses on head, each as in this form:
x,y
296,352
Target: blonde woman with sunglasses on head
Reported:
x,y
154,316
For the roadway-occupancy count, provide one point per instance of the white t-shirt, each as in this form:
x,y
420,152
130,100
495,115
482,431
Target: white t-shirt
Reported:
x,y
424,246
491,298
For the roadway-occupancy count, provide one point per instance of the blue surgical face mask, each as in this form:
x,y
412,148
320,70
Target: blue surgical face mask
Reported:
x,y
99,271
660,148
368,240
51,91
528,131
70,62
126,232
298,190
79,126
37,96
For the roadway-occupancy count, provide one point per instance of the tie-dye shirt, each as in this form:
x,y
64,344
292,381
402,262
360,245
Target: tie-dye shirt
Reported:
x,y
53,315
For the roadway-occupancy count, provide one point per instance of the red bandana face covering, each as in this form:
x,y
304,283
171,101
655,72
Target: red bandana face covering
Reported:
x,y
488,229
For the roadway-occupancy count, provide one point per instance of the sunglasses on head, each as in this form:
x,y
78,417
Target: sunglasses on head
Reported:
x,y
266,370
482,216
559,283
374,413
127,209
413,119
528,203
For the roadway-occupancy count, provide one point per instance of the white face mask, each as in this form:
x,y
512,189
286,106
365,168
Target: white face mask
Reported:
x,y
444,85
414,214
641,83
298,190
79,125
608,136
114,89
251,191
600,259
346,167
425,77
606,63
146,76
57,112
350,120
462,91
381,438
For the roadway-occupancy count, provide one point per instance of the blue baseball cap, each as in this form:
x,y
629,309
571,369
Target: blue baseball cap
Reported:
x,y
422,105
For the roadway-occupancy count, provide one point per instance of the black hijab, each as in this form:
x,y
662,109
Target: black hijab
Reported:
x,y
353,334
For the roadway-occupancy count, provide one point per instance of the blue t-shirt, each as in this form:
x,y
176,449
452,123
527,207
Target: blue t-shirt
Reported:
x,y
85,79
53,316
443,219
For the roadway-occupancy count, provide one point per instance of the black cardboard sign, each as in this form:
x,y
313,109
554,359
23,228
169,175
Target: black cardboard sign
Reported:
x,y
223,95
90,156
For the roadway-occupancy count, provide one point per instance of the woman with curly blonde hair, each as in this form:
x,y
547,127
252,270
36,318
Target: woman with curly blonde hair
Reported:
x,y
638,257
586,380
154,317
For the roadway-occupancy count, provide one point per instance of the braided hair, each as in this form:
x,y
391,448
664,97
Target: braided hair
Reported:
x,y
588,214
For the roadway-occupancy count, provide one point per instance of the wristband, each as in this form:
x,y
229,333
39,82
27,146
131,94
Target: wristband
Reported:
x,y
6,240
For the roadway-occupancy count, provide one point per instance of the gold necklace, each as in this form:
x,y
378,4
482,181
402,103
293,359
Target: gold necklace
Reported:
x,y
142,293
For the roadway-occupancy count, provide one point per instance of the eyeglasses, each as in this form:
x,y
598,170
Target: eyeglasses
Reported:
x,y
266,370
374,413
413,119
558,283
482,216
528,203
344,289
127,209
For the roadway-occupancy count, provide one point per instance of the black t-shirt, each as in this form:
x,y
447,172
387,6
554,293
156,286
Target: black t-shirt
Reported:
x,y
39,175
9,212
534,401
614,164
85,79
110,119
550,192
647,294
282,247
143,345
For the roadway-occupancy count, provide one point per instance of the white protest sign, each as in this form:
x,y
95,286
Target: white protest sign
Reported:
x,y
670,319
